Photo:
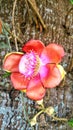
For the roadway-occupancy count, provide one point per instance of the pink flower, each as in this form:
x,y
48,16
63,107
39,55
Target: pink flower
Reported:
x,y
37,69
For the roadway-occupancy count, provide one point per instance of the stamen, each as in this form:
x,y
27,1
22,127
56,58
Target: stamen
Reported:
x,y
29,64
37,66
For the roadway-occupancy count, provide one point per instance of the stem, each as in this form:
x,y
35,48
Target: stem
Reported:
x,y
50,113
60,119
40,103
9,43
28,10
13,22
39,113
33,121
37,13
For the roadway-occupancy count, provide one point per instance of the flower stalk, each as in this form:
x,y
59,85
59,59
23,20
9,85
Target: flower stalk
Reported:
x,y
50,112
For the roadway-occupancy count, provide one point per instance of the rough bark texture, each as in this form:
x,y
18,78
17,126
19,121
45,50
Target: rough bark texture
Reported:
x,y
58,17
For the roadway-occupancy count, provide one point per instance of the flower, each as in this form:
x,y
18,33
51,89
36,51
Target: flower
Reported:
x,y
37,69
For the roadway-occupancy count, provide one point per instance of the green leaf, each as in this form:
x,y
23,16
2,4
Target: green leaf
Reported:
x,y
71,1
70,122
3,45
5,29
6,74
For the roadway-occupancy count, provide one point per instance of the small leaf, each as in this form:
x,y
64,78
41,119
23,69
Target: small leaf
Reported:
x,y
71,1
6,74
70,122
5,29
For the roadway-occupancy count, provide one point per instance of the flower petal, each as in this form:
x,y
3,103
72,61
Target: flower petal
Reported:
x,y
11,61
44,57
35,90
35,45
53,53
19,81
52,78
44,71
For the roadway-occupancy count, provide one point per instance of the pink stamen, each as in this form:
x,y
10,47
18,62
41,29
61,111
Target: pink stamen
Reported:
x,y
29,64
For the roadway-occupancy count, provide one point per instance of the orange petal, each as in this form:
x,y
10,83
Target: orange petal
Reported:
x,y
35,90
53,53
19,81
52,78
35,45
11,61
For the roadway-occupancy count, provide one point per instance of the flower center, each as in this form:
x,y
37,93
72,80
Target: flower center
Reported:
x,y
29,64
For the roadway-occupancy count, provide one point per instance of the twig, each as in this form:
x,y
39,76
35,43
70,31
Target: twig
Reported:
x,y
37,13
54,118
13,23
28,10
